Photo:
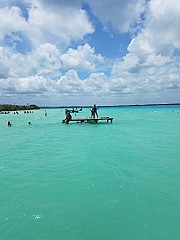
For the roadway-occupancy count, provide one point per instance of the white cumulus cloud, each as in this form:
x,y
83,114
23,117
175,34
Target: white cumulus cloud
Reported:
x,y
11,21
150,64
61,63
121,15
82,58
59,26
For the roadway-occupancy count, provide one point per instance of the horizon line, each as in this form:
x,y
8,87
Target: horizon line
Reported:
x,y
116,105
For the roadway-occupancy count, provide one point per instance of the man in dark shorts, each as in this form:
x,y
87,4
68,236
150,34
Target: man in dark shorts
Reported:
x,y
94,111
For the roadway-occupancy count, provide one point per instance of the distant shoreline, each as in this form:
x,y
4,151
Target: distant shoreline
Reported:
x,y
12,107
128,105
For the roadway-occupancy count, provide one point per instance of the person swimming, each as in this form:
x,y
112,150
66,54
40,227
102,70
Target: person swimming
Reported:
x,y
9,124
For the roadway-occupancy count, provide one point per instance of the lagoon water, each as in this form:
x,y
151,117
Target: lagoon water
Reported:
x,y
91,181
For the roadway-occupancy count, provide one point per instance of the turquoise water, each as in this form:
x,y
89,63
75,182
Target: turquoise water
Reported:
x,y
91,181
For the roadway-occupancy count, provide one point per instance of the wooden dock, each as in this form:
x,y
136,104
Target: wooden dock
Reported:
x,y
88,120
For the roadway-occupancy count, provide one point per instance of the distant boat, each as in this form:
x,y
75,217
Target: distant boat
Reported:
x,y
73,110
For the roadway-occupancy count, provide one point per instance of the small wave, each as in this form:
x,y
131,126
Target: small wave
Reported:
x,y
36,216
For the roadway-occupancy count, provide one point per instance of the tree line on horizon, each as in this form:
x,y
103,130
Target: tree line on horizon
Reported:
x,y
12,107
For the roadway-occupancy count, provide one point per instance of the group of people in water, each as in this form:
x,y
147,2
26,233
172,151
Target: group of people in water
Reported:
x,y
10,123
6,112
94,114
16,112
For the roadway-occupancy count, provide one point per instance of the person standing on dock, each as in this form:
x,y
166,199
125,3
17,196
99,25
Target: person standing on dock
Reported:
x,y
94,111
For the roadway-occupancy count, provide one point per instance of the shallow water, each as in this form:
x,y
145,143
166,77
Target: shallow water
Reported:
x,y
91,181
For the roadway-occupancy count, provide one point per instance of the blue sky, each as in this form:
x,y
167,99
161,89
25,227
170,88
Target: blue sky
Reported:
x,y
74,52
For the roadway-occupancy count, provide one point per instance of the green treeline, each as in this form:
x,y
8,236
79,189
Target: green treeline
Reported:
x,y
10,107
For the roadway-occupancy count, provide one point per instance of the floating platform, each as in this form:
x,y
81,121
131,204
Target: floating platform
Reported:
x,y
88,120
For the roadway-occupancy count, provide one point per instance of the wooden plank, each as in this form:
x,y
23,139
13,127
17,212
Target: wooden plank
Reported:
x,y
83,120
77,120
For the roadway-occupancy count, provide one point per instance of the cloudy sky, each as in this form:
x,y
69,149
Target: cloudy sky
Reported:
x,y
81,52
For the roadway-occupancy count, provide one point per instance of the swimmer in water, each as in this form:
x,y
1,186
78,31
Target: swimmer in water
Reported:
x,y
9,124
